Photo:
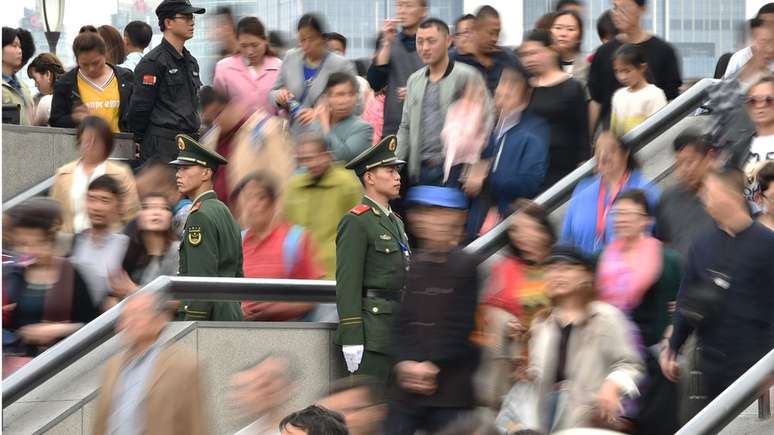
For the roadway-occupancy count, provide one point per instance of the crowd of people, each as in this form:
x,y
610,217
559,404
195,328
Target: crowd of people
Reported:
x,y
295,164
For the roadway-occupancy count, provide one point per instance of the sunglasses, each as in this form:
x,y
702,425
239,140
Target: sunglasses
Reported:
x,y
754,101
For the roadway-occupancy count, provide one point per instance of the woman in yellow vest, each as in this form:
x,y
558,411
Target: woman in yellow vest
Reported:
x,y
94,87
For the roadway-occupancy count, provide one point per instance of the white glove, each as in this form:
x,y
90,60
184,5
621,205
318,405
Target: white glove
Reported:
x,y
353,354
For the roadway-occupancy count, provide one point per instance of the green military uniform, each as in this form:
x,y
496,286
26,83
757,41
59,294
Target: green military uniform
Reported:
x,y
212,243
372,257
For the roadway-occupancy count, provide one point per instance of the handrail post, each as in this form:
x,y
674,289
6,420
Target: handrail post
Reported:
x,y
764,405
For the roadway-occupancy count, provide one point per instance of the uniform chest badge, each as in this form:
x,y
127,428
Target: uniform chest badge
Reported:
x,y
385,237
195,236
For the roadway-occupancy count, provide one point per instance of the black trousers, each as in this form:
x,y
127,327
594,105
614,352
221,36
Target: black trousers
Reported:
x,y
160,144
405,419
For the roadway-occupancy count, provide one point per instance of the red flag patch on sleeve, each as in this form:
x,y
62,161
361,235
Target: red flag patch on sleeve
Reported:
x,y
149,80
360,209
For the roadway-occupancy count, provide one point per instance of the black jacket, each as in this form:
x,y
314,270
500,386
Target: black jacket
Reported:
x,y
66,97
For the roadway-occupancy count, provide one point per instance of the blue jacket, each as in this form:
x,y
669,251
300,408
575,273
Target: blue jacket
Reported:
x,y
579,227
519,161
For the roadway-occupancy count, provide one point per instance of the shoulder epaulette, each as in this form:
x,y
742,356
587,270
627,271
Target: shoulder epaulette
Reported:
x,y
360,209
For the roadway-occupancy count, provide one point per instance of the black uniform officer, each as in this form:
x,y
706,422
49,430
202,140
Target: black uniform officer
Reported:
x,y
167,84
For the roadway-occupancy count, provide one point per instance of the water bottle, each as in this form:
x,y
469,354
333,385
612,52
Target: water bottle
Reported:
x,y
294,107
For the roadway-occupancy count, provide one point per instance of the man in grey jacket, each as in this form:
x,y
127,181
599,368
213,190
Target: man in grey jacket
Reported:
x,y
396,59
430,92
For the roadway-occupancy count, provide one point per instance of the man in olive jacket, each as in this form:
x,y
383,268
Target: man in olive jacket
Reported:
x,y
212,243
372,256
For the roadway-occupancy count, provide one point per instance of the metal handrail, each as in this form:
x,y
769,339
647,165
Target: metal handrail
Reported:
x,y
732,401
36,190
58,357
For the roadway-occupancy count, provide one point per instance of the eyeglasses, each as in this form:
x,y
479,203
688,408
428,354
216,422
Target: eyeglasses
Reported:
x,y
761,100
186,17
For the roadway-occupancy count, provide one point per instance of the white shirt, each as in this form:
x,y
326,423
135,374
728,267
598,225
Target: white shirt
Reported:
x,y
630,108
739,60
78,195
761,149
132,59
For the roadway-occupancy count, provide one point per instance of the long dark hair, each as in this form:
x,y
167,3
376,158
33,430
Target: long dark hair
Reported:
x,y
537,213
136,257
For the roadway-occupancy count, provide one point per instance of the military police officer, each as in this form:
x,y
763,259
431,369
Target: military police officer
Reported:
x,y
167,86
372,257
212,244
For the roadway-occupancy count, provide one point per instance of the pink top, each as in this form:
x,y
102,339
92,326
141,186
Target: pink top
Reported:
x,y
246,85
625,277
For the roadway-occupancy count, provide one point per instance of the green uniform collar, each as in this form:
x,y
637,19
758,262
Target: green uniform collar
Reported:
x,y
387,211
210,194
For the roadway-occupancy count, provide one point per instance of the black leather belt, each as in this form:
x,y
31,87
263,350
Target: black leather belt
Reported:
x,y
390,295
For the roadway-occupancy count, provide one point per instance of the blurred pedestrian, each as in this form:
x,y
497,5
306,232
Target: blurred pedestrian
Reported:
x,y
260,143
211,243
760,107
225,32
319,195
98,251
435,359
567,33
606,29
431,91
346,134
262,392
359,399
159,177
305,72
167,85
586,224
372,256
45,297
570,5
515,294
635,273
659,54
211,104
153,386
317,198
313,420
247,78
463,34
137,37
71,181
726,292
638,100
561,101
681,216
760,42
337,43
273,248
515,160
15,92
765,180
396,59
486,56
116,50
581,357
95,87
44,70
152,250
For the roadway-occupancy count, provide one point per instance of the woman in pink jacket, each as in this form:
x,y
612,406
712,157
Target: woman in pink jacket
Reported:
x,y
246,78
